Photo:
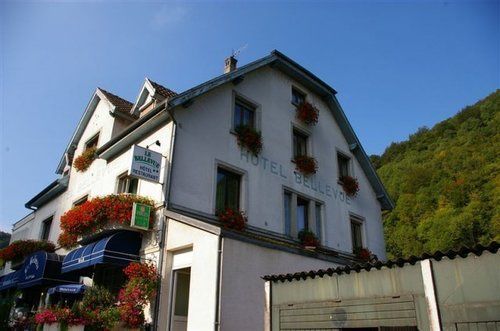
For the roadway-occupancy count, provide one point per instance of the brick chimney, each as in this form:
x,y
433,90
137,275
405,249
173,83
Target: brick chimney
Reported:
x,y
230,64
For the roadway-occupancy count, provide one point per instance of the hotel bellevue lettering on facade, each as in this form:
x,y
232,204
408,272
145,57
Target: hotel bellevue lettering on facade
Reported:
x,y
210,270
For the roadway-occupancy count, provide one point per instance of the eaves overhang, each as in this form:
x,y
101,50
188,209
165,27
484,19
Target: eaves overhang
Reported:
x,y
53,190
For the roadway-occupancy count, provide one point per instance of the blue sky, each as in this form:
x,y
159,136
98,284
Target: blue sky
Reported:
x,y
397,66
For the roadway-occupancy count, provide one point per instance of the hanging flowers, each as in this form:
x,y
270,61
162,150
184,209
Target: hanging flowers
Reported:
x,y
85,159
307,165
307,113
350,185
19,249
94,215
365,255
232,219
308,238
249,138
140,288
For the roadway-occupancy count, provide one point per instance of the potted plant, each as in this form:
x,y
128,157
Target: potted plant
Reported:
x,y
350,185
232,219
308,239
307,165
249,138
307,113
84,160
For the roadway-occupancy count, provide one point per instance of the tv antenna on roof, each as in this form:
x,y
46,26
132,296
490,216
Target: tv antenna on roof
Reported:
x,y
236,53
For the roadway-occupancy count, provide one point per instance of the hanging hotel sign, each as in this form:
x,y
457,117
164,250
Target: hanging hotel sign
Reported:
x,y
146,164
140,216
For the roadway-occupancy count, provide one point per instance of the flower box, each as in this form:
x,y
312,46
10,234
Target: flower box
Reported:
x,y
232,219
307,113
249,138
100,214
350,185
308,239
59,327
18,250
84,160
307,165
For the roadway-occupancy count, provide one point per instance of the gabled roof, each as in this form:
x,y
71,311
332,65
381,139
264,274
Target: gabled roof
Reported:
x,y
157,92
120,104
280,62
118,107
162,90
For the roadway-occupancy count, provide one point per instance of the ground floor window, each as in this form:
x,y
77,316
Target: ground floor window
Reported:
x,y
301,213
356,234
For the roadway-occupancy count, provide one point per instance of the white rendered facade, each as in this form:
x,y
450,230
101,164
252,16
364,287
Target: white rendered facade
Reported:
x,y
195,134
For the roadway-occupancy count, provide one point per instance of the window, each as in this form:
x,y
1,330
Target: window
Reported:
x,y
127,184
244,114
299,144
302,214
228,190
297,97
180,299
46,224
80,201
343,164
92,142
356,235
298,216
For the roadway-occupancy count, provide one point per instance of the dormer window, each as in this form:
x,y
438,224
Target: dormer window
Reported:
x,y
297,97
92,142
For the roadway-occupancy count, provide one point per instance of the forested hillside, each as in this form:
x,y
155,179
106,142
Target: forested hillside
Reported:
x,y
445,182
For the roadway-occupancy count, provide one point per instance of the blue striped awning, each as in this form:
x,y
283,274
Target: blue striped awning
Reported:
x,y
119,249
9,280
42,269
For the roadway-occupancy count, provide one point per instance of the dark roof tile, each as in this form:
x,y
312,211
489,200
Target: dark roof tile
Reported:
x,y
162,90
462,252
121,104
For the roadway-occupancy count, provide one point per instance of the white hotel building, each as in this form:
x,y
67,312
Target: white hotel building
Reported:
x,y
211,276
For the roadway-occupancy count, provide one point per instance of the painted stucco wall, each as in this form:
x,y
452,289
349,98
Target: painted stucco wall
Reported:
x,y
242,293
207,122
203,284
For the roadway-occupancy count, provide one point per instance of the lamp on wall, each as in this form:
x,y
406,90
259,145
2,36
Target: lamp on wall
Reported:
x,y
157,143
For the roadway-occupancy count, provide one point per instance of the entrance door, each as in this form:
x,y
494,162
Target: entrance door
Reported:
x,y
180,299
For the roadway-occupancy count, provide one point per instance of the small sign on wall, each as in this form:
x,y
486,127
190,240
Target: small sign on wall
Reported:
x,y
140,216
146,164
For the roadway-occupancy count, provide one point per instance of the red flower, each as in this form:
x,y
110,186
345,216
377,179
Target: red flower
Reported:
x,y
85,159
19,249
46,316
249,138
94,215
365,255
307,113
350,185
306,164
232,219
308,238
